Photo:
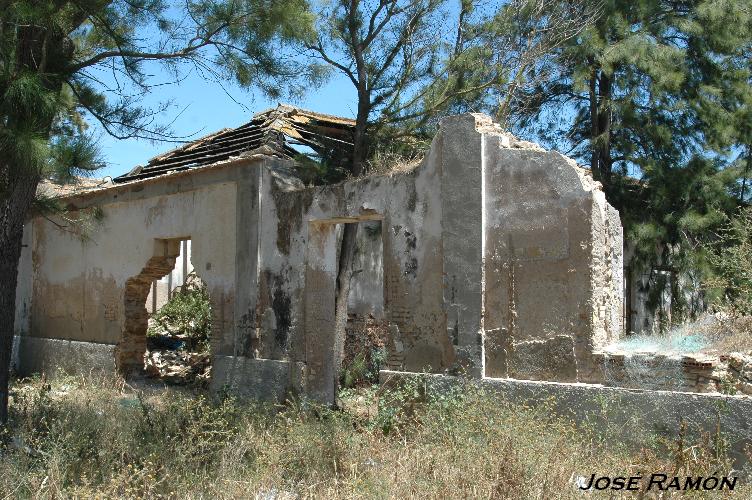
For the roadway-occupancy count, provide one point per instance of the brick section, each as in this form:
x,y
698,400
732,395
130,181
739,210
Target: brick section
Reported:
x,y
129,353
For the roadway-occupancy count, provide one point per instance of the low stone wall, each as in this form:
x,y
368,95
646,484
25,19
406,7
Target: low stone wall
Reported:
x,y
739,371
728,374
631,413
54,356
260,379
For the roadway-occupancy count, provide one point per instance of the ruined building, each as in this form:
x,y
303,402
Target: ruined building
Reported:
x,y
491,257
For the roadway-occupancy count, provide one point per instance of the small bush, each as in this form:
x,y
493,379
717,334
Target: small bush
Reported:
x,y
731,257
187,314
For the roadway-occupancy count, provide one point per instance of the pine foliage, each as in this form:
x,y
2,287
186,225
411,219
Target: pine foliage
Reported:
x,y
656,97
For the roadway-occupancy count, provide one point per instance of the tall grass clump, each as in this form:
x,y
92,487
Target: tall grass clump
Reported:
x,y
84,439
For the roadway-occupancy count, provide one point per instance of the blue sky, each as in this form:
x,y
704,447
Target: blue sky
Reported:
x,y
201,107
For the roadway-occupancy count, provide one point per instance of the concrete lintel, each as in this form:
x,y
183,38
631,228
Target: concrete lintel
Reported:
x,y
348,219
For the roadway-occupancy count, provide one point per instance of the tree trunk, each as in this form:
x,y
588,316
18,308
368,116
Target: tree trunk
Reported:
x,y
745,176
600,127
604,125
46,51
594,132
344,275
349,237
13,209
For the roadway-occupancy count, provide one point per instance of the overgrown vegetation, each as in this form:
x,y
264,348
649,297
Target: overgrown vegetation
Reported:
x,y
731,256
365,350
363,368
186,316
729,286
83,439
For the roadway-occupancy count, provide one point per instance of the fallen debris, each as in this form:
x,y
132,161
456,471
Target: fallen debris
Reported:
x,y
178,367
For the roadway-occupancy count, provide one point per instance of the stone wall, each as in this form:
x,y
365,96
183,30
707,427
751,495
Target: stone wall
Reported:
x,y
57,357
703,373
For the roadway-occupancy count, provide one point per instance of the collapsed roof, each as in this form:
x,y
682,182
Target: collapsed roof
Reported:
x,y
277,132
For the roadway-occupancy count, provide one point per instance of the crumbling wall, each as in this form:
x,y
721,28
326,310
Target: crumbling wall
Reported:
x,y
129,355
499,259
81,278
690,372
298,267
552,262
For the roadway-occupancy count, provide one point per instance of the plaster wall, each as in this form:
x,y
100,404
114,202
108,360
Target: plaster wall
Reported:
x,y
499,258
551,263
79,280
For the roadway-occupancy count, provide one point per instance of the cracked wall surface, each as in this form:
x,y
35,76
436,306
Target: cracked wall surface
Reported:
x,y
552,263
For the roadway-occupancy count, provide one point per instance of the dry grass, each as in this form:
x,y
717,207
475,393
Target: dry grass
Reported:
x,y
389,162
731,334
89,439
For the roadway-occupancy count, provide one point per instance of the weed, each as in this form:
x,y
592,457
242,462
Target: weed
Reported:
x,y
87,439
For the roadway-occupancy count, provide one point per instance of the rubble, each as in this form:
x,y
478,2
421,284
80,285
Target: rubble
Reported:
x,y
179,367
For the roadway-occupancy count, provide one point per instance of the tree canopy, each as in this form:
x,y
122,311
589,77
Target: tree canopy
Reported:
x,y
655,97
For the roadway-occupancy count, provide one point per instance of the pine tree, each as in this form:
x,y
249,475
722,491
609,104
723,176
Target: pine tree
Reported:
x,y
655,97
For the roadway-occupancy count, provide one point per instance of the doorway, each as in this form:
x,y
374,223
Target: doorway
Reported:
x,y
325,352
167,318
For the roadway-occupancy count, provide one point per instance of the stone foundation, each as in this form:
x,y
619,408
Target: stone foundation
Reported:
x,y
259,379
632,413
53,356
727,374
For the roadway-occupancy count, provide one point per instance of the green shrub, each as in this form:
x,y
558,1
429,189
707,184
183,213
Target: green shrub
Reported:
x,y
731,257
363,369
186,314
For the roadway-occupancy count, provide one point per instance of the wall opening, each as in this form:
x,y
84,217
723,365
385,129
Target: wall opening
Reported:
x,y
354,359
364,352
167,318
